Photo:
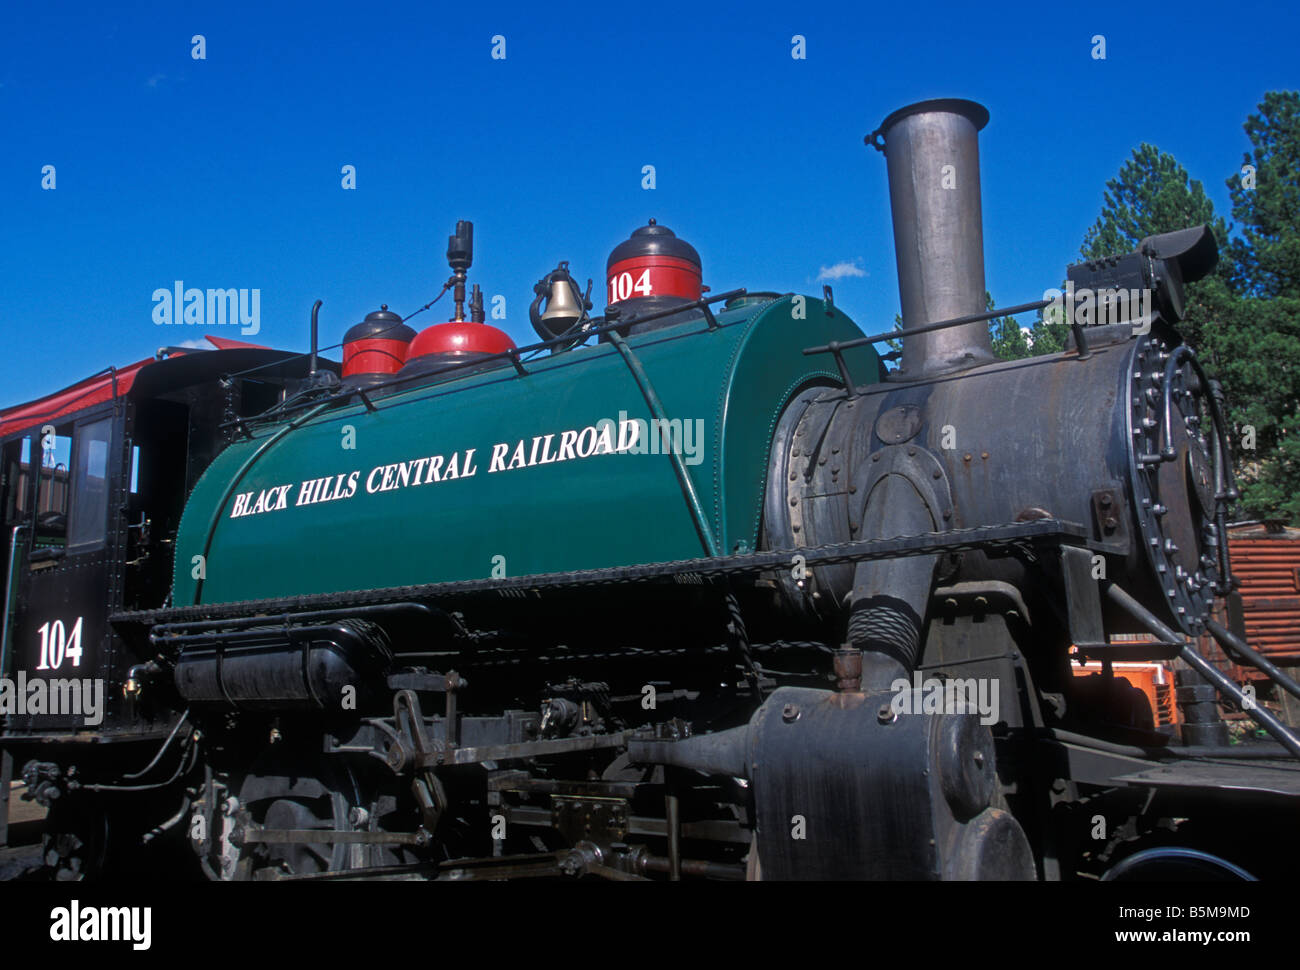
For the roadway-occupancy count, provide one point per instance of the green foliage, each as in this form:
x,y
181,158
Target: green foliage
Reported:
x,y
1253,348
1258,350
1244,320
1010,342
1152,194
896,345
1265,260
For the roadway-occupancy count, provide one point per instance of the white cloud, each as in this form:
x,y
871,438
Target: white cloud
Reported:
x,y
195,344
839,271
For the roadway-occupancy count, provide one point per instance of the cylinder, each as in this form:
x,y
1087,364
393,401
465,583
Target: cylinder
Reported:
x,y
932,156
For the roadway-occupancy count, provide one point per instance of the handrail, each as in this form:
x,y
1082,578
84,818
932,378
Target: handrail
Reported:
x,y
659,414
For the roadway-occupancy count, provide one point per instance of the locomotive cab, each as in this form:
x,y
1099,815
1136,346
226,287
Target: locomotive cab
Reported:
x,y
94,482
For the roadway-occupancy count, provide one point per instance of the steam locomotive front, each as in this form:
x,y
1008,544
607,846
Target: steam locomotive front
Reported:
x,y
981,516
1116,445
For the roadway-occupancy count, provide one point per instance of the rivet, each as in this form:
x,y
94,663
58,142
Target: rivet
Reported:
x,y
966,457
984,455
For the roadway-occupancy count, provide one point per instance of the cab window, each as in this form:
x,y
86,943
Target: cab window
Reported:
x,y
53,483
88,523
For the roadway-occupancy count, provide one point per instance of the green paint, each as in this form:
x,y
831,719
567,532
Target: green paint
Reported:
x,y
550,516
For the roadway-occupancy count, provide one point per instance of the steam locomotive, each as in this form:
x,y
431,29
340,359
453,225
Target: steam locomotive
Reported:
x,y
697,588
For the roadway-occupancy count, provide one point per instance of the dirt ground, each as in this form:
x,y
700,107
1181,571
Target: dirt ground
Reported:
x,y
21,858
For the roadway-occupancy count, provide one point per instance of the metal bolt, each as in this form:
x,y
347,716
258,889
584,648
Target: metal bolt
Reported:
x,y
966,457
937,473
984,455
790,713
979,759
885,714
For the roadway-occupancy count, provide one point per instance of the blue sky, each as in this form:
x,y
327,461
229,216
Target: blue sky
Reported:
x,y
225,172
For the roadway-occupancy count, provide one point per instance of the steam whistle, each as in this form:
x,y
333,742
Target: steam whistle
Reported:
x,y
460,255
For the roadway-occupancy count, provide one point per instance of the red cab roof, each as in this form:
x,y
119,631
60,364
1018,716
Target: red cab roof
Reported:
x,y
93,390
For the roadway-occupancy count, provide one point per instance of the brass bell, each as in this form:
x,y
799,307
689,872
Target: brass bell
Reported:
x,y
566,305
562,309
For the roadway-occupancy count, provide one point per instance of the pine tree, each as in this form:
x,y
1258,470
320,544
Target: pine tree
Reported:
x,y
1243,320
1258,349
